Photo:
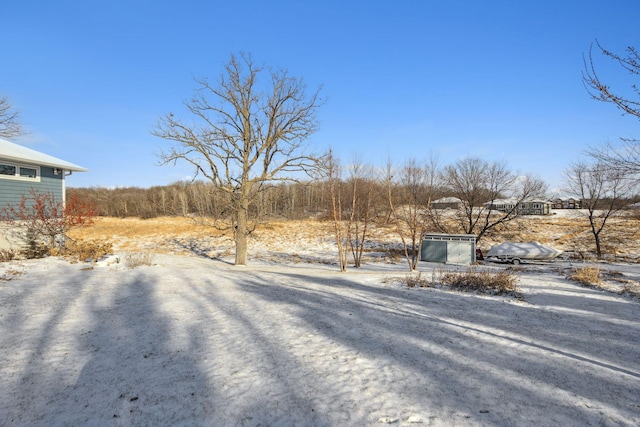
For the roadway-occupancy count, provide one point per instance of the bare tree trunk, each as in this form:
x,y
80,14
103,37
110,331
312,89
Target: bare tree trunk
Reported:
x,y
336,209
598,248
241,231
394,217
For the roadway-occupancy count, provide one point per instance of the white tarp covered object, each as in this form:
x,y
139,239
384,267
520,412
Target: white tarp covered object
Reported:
x,y
528,250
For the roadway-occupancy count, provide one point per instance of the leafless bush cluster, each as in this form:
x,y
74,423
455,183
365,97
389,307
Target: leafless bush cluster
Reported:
x,y
138,259
34,248
588,275
86,250
483,281
470,280
631,289
9,274
417,281
7,255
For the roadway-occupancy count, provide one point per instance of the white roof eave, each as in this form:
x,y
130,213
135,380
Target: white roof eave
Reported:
x,y
21,154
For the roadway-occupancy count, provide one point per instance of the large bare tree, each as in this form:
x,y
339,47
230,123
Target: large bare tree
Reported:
x,y
602,191
10,124
625,156
479,184
248,132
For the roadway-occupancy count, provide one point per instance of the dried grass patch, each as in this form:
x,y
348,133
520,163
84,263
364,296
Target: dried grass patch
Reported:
x,y
8,255
606,280
136,227
473,279
418,281
589,275
130,233
138,259
567,233
632,289
483,281
86,250
10,273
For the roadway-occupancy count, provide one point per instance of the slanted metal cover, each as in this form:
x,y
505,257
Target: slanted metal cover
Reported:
x,y
529,250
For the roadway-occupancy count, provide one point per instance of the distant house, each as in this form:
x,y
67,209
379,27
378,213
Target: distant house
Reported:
x,y
446,203
527,207
565,203
23,169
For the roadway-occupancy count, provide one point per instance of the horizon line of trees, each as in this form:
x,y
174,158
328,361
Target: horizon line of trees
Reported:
x,y
288,201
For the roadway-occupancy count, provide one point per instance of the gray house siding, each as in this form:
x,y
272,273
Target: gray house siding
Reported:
x,y
12,190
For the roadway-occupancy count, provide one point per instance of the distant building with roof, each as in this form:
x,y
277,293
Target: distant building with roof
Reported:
x,y
526,207
565,203
446,203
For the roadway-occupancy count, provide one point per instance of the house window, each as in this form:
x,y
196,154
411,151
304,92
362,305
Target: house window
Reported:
x,y
19,172
28,172
7,170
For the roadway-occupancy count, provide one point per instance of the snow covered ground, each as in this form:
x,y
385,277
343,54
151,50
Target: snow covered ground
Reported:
x,y
196,341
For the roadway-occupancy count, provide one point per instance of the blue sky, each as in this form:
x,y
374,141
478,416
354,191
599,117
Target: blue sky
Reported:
x,y
500,80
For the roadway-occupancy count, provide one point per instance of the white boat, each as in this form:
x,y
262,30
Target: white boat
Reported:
x,y
517,252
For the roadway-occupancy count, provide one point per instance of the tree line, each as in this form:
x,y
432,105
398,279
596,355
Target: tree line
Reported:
x,y
289,201
473,181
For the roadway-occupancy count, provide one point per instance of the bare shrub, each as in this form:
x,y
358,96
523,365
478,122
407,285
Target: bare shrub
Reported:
x,y
10,274
470,280
589,275
86,250
394,254
417,281
7,255
614,274
483,281
34,248
138,259
632,289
